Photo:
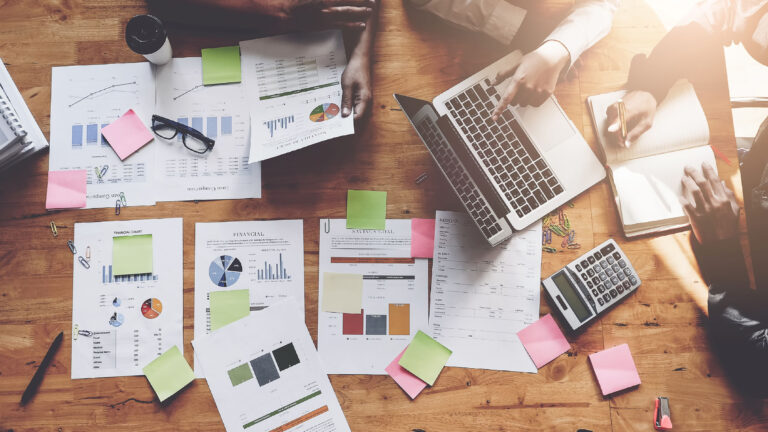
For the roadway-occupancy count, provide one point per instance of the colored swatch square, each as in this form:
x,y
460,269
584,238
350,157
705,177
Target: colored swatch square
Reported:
x,y
132,255
422,238
376,325
240,374
342,292
127,134
543,340
229,306
264,369
169,373
286,356
221,65
352,324
66,189
407,381
425,357
366,209
614,368
399,319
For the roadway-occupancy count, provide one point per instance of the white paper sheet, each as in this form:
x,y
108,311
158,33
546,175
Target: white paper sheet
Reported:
x,y
112,334
265,375
482,295
365,344
266,257
294,90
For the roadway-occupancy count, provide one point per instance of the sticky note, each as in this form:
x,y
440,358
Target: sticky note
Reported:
x,y
422,238
127,134
132,255
410,383
342,292
425,357
221,65
66,189
366,209
169,373
614,368
229,306
543,340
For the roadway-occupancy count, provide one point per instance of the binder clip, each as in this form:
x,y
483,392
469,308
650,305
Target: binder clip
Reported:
x,y
83,262
72,247
54,230
662,419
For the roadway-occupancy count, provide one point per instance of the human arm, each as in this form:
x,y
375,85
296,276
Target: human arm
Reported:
x,y
356,81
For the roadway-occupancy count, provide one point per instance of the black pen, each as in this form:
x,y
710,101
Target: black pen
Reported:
x,y
38,377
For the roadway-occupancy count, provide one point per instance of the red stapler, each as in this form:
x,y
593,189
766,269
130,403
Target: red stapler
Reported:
x,y
662,419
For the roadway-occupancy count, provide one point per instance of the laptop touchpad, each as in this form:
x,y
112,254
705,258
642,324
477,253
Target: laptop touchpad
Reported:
x,y
547,124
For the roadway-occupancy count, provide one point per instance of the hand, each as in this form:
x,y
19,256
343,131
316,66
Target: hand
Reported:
x,y
534,78
325,14
711,207
640,108
356,86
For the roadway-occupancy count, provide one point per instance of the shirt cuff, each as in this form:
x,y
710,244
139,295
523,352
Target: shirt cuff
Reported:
x,y
504,22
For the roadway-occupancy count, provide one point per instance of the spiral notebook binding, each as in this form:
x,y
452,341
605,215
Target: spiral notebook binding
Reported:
x,y
10,117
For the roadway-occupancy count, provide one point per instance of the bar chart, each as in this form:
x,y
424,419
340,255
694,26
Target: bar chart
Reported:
x,y
214,126
88,135
108,277
276,272
396,323
281,123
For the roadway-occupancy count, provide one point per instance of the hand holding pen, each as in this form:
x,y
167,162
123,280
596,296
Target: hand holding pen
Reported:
x,y
630,117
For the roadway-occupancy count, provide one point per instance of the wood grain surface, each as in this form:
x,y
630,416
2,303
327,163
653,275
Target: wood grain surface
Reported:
x,y
663,322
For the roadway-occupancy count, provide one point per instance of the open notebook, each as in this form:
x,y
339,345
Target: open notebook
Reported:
x,y
646,177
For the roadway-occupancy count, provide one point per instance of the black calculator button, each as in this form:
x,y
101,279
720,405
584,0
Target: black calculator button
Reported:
x,y
614,294
603,264
603,276
614,280
590,285
578,267
626,284
600,301
600,288
583,276
607,249
591,259
590,272
594,292
584,263
627,272
597,255
617,255
607,297
622,263
633,280
619,288
609,272
595,280
611,260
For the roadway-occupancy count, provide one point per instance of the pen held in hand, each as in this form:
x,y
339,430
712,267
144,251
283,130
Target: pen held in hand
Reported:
x,y
623,120
38,377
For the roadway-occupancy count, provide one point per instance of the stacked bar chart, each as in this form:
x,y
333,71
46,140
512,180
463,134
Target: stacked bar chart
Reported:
x,y
108,277
276,272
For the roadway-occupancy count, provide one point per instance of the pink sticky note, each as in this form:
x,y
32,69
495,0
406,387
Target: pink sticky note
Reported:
x,y
422,238
409,382
614,368
127,134
543,340
66,189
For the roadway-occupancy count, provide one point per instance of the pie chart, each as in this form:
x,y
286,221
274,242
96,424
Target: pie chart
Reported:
x,y
151,308
116,320
324,112
225,270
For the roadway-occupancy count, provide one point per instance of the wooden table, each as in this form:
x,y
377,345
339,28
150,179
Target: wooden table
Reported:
x,y
662,323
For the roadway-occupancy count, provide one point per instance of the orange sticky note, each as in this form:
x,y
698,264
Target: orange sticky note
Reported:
x,y
127,134
422,238
66,189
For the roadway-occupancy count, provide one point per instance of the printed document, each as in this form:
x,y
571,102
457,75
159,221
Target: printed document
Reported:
x,y
265,257
294,88
265,375
394,296
482,295
121,323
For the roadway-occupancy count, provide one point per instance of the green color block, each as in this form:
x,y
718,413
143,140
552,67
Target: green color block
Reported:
x,y
366,209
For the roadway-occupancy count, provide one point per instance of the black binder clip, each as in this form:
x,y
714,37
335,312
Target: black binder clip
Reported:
x,y
662,420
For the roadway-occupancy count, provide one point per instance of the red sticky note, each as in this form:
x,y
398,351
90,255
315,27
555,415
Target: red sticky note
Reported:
x,y
409,382
614,368
66,189
422,238
127,134
543,340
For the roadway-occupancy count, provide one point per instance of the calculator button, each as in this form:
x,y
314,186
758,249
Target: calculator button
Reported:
x,y
594,292
626,284
611,260
595,280
607,249
584,263
603,276
607,297
603,264
627,271
591,259
600,301
622,263
578,268
617,255
620,288
633,280
614,280
614,294
616,268
583,276
590,285
621,276
590,272
609,272
598,255
600,288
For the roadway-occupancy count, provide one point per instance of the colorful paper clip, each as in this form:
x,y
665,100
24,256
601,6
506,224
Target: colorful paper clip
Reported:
x,y
662,419
122,199
117,207
54,230
72,247
83,262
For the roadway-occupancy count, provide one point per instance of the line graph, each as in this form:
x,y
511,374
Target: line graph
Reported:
x,y
90,95
188,91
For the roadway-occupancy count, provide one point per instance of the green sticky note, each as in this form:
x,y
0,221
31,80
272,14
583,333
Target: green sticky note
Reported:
x,y
221,65
132,255
366,209
169,373
425,357
228,307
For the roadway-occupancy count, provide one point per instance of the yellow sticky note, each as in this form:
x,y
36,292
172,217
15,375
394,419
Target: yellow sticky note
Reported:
x,y
228,307
169,373
132,255
342,292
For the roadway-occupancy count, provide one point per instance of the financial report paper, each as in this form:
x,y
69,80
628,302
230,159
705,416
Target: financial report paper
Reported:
x,y
482,295
395,296
294,88
265,375
121,323
265,257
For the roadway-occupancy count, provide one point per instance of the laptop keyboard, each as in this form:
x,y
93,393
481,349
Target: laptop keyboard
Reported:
x,y
469,194
506,151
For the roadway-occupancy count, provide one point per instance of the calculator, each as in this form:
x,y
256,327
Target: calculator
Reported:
x,y
592,284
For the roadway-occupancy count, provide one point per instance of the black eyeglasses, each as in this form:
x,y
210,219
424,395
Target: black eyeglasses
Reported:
x,y
193,139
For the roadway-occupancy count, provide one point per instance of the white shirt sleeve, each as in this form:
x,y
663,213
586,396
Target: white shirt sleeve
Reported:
x,y
588,22
496,18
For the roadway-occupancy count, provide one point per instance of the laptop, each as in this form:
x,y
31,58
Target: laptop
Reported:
x,y
510,173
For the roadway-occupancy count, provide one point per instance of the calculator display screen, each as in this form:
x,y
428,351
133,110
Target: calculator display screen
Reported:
x,y
569,292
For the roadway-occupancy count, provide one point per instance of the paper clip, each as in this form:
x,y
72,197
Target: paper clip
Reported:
x,y
122,199
88,253
54,230
86,333
571,236
662,419
83,262
104,170
117,207
98,173
549,236
327,227
421,178
549,249
72,247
